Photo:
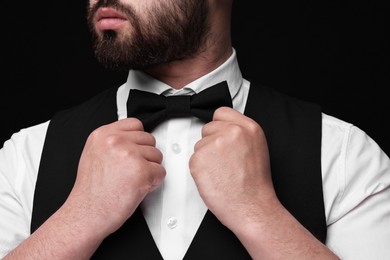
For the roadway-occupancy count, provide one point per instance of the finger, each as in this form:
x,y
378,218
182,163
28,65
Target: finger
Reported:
x,y
156,175
203,142
151,154
129,124
230,115
226,114
135,127
141,138
214,127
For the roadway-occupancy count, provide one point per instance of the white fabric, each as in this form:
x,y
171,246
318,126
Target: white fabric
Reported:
x,y
175,210
355,173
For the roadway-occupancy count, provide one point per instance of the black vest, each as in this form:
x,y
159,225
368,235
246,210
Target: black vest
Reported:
x,y
293,131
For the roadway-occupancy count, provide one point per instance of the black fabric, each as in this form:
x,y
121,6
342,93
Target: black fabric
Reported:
x,y
64,142
293,131
153,109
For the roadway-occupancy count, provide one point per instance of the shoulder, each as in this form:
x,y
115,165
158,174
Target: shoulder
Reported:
x,y
348,137
28,138
276,97
352,162
335,129
79,121
20,155
90,106
278,106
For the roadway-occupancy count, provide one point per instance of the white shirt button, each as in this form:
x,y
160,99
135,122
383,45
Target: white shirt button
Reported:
x,y
176,148
172,222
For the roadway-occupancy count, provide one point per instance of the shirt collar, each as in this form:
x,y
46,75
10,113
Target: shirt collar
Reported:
x,y
229,71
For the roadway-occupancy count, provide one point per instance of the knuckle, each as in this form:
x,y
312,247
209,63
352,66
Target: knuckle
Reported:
x,y
158,178
112,141
197,146
97,134
236,131
193,161
197,161
160,156
205,130
253,127
152,140
153,178
223,109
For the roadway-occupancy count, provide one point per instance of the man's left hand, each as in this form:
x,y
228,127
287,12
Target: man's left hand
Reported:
x,y
231,168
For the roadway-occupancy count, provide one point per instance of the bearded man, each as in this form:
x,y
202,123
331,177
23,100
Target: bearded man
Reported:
x,y
189,160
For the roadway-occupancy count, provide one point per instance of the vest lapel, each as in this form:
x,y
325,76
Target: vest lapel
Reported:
x,y
214,241
132,241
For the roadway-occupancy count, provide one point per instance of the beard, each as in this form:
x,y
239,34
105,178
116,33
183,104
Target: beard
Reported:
x,y
172,30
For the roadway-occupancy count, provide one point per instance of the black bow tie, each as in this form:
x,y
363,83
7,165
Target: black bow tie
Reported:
x,y
153,109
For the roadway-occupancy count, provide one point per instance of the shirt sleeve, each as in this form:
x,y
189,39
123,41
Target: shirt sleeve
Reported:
x,y
357,195
19,162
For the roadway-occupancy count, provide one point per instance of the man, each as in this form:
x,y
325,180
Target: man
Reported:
x,y
265,177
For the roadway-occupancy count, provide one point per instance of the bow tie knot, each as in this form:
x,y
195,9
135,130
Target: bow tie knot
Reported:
x,y
178,106
152,109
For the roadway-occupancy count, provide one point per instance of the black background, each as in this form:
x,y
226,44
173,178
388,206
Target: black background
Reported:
x,y
335,53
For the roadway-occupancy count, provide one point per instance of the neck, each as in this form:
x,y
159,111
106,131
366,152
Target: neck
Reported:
x,y
178,74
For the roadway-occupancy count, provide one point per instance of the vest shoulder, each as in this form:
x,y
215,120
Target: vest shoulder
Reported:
x,y
273,101
278,96
96,104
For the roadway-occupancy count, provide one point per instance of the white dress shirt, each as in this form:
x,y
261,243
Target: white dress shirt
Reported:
x,y
355,174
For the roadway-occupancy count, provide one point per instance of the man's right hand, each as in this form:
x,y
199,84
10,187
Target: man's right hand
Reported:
x,y
118,167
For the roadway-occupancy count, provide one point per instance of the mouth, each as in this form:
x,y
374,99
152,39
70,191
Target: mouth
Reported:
x,y
108,18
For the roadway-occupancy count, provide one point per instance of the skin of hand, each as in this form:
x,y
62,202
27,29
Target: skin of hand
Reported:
x,y
231,169
118,167
230,166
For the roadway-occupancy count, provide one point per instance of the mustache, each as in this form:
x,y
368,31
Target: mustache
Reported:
x,y
106,3
115,4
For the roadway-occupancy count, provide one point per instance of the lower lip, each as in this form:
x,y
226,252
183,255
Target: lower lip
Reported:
x,y
110,23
